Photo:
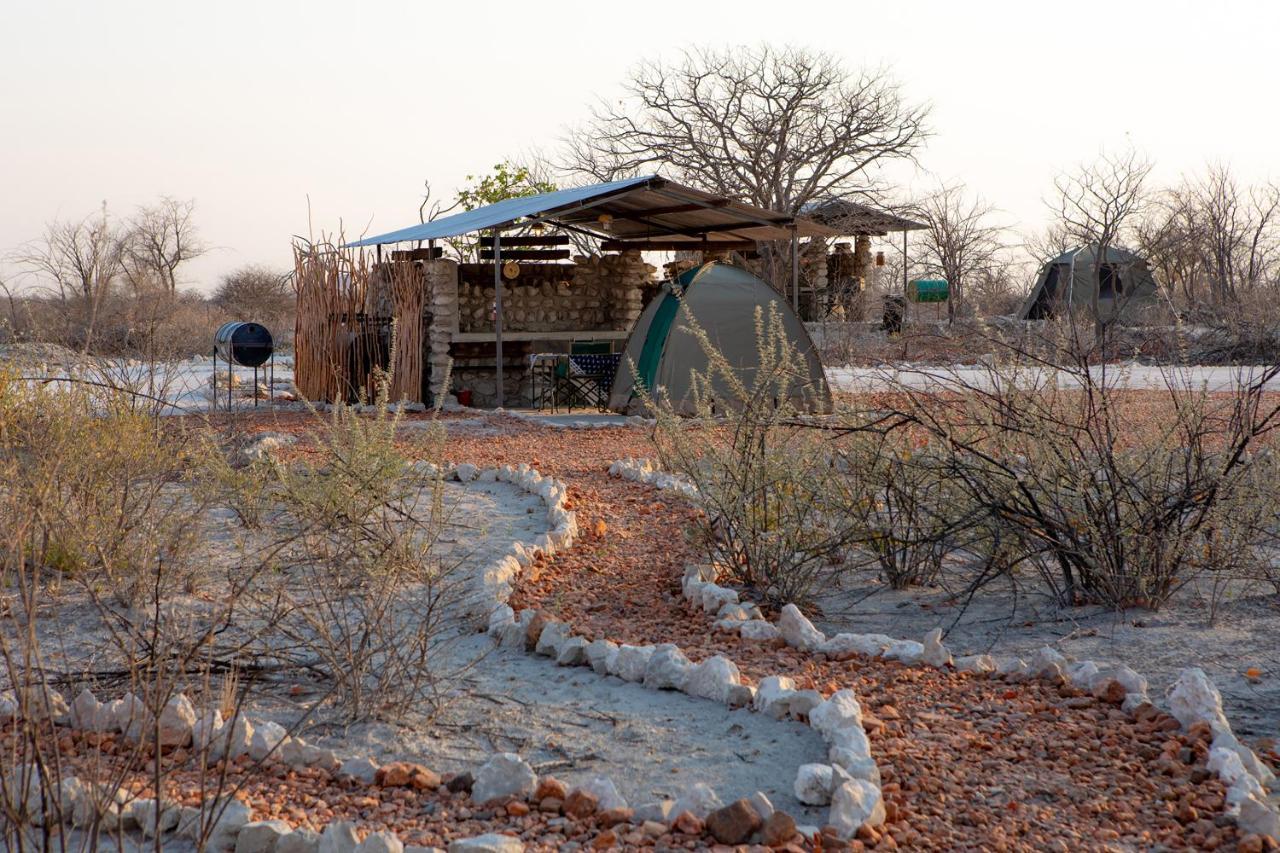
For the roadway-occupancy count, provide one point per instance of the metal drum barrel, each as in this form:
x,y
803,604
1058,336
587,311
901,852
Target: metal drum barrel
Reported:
x,y
245,344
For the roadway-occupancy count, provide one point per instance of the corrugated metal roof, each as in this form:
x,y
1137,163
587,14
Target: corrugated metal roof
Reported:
x,y
643,208
853,219
503,212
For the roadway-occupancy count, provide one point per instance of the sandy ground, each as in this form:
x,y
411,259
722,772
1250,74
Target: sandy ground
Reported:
x,y
1129,375
573,724
1002,621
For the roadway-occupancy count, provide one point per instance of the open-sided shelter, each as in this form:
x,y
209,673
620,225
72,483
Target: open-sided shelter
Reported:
x,y
723,301
487,318
1124,285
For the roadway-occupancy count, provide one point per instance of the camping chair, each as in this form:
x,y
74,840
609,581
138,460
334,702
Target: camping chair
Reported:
x,y
586,375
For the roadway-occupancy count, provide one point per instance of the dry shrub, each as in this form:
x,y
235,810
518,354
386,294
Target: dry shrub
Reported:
x,y
364,599
95,486
761,480
1110,505
897,496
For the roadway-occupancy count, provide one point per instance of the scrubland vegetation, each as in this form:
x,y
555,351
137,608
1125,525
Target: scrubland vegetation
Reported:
x,y
1045,467
322,572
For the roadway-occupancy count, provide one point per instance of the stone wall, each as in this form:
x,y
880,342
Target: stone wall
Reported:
x,y
592,293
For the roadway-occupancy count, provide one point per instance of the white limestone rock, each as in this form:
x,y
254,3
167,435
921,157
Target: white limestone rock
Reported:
x,y
204,727
602,656
129,715
501,617
1083,674
813,784
152,819
573,652
1193,698
553,634
267,739
735,613
361,768
301,840
380,842
977,664
759,630
801,702
503,776
605,792
773,696
762,805
714,679
1252,764
854,804
632,661
177,720
935,653
1257,816
1011,666
798,631
261,836
232,740
488,843
668,669
338,837
715,597
1131,681
838,712
1047,662
868,645
465,472
658,811
698,799
906,651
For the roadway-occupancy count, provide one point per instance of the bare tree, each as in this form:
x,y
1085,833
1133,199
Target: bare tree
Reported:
x,y
255,292
960,242
159,239
1094,207
78,262
774,127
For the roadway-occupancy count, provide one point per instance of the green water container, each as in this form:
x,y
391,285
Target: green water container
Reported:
x,y
928,290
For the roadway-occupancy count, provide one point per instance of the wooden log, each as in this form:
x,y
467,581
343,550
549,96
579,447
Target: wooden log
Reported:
x,y
527,254
526,240
430,253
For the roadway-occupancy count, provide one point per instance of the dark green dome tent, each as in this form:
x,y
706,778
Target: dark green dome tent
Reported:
x,y
1070,279
722,300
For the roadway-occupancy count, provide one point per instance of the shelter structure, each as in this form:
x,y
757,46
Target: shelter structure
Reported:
x,y
529,293
1124,285
842,276
663,353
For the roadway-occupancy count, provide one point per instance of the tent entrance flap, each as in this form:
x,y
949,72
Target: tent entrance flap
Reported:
x,y
656,341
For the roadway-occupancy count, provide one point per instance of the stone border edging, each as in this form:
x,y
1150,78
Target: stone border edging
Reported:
x,y
1193,699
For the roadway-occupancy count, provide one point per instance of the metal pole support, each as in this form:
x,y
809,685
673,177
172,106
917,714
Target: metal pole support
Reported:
x,y
497,305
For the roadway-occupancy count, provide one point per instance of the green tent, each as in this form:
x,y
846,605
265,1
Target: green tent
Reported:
x,y
1127,285
722,299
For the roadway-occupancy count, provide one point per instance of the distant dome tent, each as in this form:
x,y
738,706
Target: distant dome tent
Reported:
x,y
722,300
1125,287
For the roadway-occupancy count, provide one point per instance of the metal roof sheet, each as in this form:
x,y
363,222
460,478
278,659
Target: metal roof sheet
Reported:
x,y
502,212
647,207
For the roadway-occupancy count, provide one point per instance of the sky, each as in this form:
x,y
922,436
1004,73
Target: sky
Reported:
x,y
285,118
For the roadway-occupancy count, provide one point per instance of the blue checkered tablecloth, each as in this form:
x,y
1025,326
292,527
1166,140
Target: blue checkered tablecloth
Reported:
x,y
602,366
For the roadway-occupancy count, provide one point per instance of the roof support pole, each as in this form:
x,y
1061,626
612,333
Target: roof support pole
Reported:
x,y
497,304
795,271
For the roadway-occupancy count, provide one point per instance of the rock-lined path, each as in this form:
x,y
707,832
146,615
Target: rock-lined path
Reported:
x,y
968,762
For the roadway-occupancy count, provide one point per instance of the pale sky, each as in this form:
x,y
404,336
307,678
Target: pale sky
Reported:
x,y
251,107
